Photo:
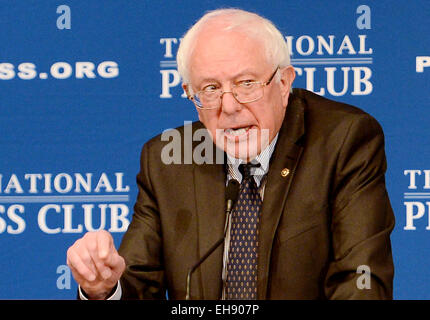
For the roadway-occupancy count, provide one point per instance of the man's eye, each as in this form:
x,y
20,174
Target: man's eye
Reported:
x,y
246,83
210,88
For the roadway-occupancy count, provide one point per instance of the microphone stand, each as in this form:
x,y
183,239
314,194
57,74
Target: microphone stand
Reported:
x,y
230,203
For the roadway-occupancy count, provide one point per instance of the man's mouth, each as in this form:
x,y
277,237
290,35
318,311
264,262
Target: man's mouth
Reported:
x,y
240,133
236,132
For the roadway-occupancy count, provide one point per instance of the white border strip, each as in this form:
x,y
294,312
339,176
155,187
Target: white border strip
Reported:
x,y
57,199
304,61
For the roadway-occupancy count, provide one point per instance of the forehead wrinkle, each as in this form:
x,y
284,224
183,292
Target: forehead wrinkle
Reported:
x,y
245,72
207,64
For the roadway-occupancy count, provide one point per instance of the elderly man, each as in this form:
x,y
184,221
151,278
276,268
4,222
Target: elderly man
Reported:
x,y
312,212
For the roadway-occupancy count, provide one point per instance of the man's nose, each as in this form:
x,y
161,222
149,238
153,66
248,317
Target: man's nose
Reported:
x,y
229,104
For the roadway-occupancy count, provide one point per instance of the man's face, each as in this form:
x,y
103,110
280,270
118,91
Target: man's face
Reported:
x,y
223,59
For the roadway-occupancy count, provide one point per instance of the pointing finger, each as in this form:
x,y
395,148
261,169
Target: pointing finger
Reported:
x,y
104,244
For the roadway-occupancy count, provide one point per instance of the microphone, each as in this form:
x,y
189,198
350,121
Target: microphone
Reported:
x,y
232,193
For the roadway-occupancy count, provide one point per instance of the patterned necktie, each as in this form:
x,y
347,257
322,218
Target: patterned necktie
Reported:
x,y
241,281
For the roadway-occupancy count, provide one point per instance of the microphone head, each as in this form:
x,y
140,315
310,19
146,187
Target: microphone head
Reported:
x,y
232,191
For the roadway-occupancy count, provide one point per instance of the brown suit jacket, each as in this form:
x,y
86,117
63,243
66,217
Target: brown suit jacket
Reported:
x,y
328,216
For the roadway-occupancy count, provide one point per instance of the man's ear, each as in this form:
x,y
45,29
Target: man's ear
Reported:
x,y
187,92
186,89
288,74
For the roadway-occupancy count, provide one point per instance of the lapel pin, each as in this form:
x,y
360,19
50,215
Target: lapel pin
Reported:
x,y
285,172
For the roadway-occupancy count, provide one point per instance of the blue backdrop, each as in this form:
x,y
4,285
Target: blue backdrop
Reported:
x,y
83,85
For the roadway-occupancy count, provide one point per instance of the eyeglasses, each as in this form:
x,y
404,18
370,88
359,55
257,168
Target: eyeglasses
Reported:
x,y
244,92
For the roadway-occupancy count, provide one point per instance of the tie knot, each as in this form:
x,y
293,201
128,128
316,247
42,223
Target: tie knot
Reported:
x,y
247,169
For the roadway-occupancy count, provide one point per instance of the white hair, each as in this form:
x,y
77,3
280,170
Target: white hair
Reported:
x,y
251,24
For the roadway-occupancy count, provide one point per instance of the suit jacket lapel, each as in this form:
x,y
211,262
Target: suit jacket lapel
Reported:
x,y
281,172
209,181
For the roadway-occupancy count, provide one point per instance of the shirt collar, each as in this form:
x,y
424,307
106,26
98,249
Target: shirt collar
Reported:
x,y
263,158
